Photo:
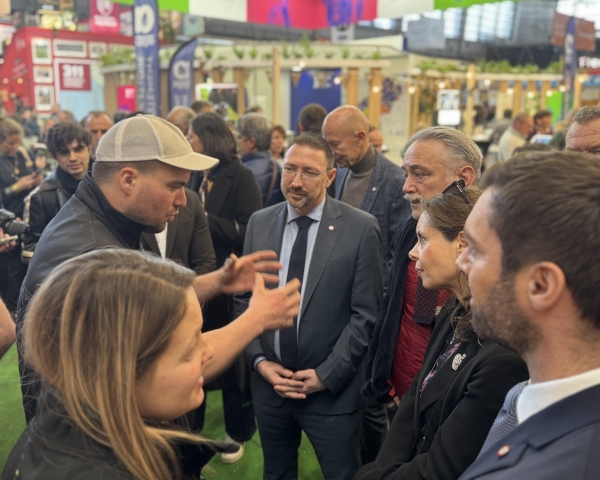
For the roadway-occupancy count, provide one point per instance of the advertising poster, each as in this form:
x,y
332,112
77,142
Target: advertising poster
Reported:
x,y
146,51
126,98
181,75
104,17
75,77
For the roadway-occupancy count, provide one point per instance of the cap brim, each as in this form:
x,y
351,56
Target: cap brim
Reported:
x,y
191,161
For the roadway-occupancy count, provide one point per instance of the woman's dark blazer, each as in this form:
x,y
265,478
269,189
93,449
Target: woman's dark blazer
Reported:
x,y
437,435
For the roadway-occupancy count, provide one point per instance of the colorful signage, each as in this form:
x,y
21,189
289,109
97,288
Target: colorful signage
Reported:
x,y
145,28
104,17
74,77
181,75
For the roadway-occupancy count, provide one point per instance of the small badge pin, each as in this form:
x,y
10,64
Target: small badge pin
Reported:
x,y
330,227
458,360
503,451
374,189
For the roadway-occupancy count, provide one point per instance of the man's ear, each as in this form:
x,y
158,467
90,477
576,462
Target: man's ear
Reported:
x,y
546,284
127,179
331,177
468,175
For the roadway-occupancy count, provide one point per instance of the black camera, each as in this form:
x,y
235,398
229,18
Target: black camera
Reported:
x,y
11,227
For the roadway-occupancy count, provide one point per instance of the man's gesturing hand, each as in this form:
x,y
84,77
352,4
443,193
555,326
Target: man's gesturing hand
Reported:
x,y
275,308
237,275
281,379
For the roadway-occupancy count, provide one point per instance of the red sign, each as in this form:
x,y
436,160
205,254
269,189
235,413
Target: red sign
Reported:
x,y
126,98
74,76
104,17
585,33
311,14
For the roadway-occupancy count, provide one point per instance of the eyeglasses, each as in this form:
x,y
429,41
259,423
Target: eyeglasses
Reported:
x,y
307,177
458,187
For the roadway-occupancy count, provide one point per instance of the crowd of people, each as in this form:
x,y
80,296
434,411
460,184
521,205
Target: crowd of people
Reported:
x,y
419,321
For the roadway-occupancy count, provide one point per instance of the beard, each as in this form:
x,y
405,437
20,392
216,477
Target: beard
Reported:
x,y
302,202
500,319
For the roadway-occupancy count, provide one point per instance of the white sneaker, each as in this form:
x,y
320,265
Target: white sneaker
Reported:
x,y
232,457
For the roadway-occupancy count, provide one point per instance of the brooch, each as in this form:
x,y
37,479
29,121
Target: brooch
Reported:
x,y
457,360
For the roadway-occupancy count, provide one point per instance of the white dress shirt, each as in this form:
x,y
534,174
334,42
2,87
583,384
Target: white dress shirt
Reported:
x,y
161,239
536,397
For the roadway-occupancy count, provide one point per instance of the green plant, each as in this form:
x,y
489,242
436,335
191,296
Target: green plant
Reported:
x,y
222,57
285,50
376,55
306,45
554,67
239,52
297,53
267,56
208,52
118,57
359,55
329,54
253,53
345,52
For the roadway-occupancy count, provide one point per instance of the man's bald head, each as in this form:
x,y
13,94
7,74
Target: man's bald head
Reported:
x,y
181,117
346,129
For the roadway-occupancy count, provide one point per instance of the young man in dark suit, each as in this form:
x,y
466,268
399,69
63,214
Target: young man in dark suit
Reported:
x,y
308,377
532,263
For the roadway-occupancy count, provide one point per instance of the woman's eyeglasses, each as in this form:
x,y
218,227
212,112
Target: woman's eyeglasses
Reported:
x,y
458,188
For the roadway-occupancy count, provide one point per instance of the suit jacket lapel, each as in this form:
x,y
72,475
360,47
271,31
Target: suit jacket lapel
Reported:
x,y
150,242
339,181
324,245
374,185
275,232
219,191
171,233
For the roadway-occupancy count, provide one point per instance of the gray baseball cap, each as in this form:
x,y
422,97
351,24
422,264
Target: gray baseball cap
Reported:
x,y
146,137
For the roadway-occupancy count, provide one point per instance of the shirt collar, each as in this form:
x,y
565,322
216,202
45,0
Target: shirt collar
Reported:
x,y
536,397
316,213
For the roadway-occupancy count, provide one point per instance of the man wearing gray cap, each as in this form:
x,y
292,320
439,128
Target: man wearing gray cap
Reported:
x,y
137,185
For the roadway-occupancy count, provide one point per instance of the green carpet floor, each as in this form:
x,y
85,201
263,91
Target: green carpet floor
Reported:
x,y
248,468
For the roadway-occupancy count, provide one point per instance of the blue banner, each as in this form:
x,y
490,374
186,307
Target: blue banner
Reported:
x,y
146,55
181,75
570,70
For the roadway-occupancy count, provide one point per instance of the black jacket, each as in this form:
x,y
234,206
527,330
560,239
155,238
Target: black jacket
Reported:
x,y
53,448
438,433
13,201
188,239
42,205
87,222
381,351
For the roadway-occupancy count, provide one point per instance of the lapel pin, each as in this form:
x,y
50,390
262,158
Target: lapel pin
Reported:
x,y
504,451
457,360
374,188
330,227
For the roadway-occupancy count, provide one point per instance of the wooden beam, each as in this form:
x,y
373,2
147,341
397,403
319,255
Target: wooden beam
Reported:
x,y
375,88
351,85
517,94
276,85
544,94
240,75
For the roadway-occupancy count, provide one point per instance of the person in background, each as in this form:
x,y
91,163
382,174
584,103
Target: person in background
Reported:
x,y
277,148
583,133
120,115
310,119
502,125
65,116
376,138
201,106
230,195
30,124
256,109
542,124
8,333
181,118
515,136
445,416
559,140
254,140
534,290
97,123
48,124
115,317
70,145
435,157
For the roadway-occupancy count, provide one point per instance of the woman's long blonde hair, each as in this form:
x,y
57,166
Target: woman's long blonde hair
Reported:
x,y
95,325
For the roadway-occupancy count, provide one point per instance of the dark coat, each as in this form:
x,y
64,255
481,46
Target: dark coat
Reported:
x,y
42,205
53,448
339,304
13,201
381,351
437,434
188,239
384,199
265,169
560,442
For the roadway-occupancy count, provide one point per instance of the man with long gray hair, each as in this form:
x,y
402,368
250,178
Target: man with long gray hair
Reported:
x,y
437,159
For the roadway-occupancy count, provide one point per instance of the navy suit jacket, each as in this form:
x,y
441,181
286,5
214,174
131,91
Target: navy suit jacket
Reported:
x,y
340,302
562,442
384,199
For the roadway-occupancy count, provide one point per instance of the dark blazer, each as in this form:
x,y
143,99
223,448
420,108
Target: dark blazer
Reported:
x,y
384,199
437,434
387,326
342,294
188,238
560,442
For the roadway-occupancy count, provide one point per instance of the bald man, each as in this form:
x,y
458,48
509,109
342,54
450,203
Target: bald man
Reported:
x,y
181,118
368,181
